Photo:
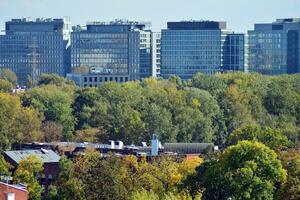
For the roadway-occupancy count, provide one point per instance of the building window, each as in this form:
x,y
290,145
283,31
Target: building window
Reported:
x,y
95,79
116,79
91,79
105,79
110,78
85,79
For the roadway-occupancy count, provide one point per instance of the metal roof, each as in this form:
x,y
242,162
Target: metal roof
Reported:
x,y
187,148
47,156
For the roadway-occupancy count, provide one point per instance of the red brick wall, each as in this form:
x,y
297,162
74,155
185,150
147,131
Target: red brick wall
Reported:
x,y
19,194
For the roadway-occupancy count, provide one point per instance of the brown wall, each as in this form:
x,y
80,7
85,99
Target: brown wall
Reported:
x,y
19,194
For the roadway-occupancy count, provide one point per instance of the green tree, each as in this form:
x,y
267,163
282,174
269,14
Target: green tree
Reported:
x,y
54,79
28,170
4,168
66,186
273,138
8,75
248,170
5,86
291,162
54,104
17,124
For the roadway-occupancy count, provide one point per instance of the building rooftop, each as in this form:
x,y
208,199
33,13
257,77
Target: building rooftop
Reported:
x,y
187,148
196,25
15,186
47,156
288,20
22,20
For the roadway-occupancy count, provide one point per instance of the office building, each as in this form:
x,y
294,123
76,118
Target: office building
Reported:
x,y
145,54
114,51
234,52
189,47
155,43
31,47
274,47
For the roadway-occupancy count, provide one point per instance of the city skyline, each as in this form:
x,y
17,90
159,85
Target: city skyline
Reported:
x,y
239,15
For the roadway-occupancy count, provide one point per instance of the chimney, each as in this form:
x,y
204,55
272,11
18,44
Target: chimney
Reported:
x,y
119,144
112,144
155,144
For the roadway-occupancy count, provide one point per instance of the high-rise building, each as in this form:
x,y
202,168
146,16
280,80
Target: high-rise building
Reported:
x,y
188,47
155,43
114,51
31,47
234,52
274,47
145,54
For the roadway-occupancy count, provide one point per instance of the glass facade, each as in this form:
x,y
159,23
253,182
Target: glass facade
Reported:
x,y
274,47
115,48
30,48
234,53
145,54
155,43
191,47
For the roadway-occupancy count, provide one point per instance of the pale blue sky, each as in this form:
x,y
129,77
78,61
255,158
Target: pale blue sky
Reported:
x,y
239,14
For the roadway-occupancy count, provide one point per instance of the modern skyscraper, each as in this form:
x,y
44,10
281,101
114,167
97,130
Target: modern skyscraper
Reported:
x,y
234,52
32,47
155,43
113,51
188,47
145,54
274,47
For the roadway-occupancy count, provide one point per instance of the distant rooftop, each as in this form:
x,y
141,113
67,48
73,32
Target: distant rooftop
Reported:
x,y
47,156
196,25
288,20
187,148
16,186
120,22
22,20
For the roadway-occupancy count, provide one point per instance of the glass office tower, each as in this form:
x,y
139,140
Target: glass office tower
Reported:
x,y
113,51
234,51
145,54
32,47
189,47
155,44
274,47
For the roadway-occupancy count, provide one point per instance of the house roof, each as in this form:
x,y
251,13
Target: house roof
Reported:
x,y
15,186
187,148
47,156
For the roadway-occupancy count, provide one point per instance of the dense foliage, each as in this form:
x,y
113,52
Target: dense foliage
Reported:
x,y
225,109
206,109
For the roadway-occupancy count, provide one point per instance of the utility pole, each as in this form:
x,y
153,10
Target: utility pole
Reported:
x,y
34,61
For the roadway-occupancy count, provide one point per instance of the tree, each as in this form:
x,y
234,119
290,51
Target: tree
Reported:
x,y
4,168
291,189
54,79
66,186
54,104
273,138
53,131
5,86
248,170
17,124
27,172
8,75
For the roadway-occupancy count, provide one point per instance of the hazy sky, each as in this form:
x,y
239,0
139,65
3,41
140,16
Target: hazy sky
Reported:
x,y
239,14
